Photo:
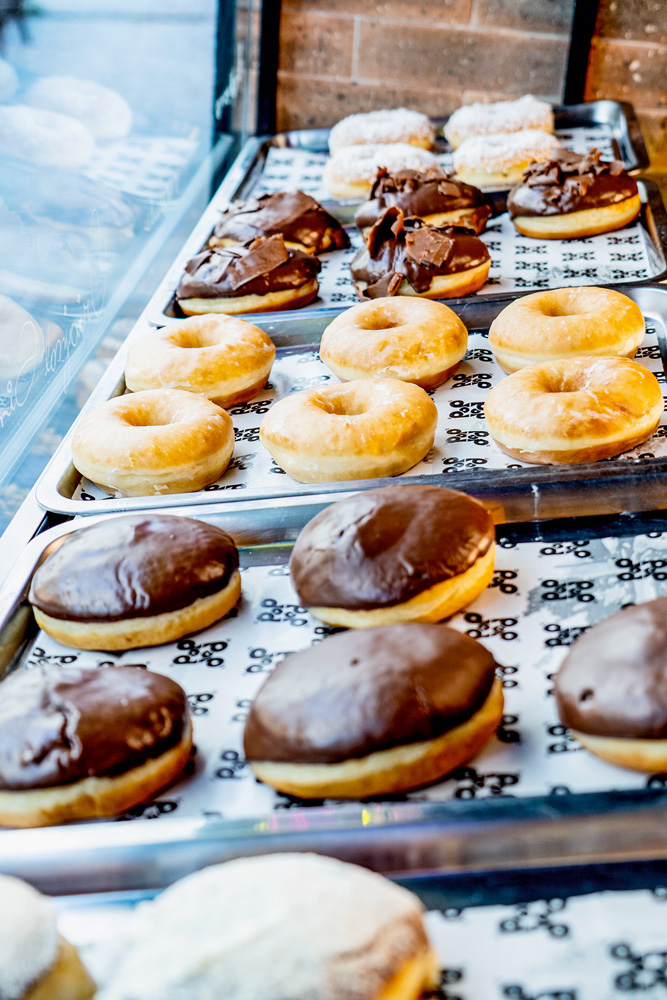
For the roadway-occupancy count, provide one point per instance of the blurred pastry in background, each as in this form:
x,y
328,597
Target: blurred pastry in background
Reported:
x,y
433,196
104,112
351,171
22,342
500,116
486,160
384,126
44,138
259,276
298,218
9,81
570,196
407,257
36,963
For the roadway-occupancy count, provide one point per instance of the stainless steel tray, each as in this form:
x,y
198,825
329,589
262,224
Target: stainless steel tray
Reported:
x,y
525,492
488,825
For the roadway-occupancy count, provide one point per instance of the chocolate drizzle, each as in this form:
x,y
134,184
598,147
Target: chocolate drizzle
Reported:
x,y
613,682
400,248
133,567
368,690
420,194
294,215
61,724
570,183
263,265
382,547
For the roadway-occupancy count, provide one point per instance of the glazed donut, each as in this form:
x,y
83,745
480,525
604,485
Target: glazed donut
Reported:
x,y
566,323
412,339
373,712
260,276
224,358
572,196
435,556
407,257
501,159
154,442
325,930
44,138
137,580
22,342
574,410
501,116
83,743
35,962
351,172
610,689
360,430
299,219
105,113
382,127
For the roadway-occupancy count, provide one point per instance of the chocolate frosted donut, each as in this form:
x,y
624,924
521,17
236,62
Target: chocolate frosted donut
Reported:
x,y
301,220
611,688
433,196
371,712
77,743
407,257
399,553
571,196
140,579
258,276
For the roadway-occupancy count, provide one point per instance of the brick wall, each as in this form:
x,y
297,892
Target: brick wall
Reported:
x,y
628,62
342,56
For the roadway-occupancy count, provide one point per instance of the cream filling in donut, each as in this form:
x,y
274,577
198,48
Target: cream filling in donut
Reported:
x,y
94,797
640,754
575,225
437,602
154,630
395,769
286,298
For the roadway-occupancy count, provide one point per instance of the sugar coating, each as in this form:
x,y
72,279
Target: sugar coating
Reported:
x,y
493,153
503,116
100,109
28,937
355,164
398,125
266,928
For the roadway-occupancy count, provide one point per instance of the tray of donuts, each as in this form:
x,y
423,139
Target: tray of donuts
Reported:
x,y
396,386
261,692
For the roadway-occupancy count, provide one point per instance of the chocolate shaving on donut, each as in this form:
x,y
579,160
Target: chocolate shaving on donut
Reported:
x,y
569,182
292,214
420,193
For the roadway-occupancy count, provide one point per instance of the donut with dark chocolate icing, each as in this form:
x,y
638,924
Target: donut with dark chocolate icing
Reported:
x,y
258,276
407,257
151,569
60,727
302,221
432,195
358,696
611,689
572,195
404,552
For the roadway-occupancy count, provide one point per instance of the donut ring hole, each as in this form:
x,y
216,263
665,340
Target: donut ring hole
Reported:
x,y
154,415
348,405
563,382
379,320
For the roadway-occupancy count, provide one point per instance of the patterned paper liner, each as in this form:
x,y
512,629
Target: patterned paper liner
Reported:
x,y
462,439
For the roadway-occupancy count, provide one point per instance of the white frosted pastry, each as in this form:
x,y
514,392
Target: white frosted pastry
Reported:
x,y
501,158
500,116
385,126
352,170
267,928
45,138
105,113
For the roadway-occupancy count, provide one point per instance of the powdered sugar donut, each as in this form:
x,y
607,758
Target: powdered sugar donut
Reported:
x,y
501,116
104,112
399,125
45,138
501,159
351,172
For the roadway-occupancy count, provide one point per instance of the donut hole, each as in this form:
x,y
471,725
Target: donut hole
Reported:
x,y
153,417
379,321
347,405
195,338
562,382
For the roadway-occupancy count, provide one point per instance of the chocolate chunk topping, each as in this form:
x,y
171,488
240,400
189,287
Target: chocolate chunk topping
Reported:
x,y
255,268
383,547
133,567
418,194
570,183
368,690
61,724
613,682
414,251
294,215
